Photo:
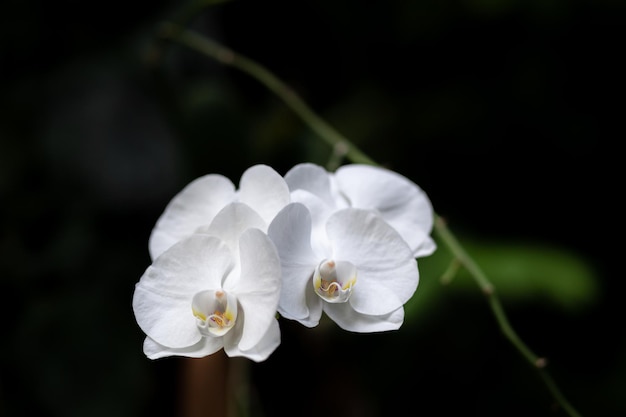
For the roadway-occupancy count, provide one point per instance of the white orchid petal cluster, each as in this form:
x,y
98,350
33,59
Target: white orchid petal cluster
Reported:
x,y
227,260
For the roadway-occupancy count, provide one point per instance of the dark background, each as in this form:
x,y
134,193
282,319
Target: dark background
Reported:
x,y
507,113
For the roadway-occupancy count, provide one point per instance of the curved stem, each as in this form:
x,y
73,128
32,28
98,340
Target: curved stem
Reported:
x,y
488,289
226,56
340,143
496,307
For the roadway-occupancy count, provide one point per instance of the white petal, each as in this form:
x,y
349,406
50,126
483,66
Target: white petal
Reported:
x,y
371,298
194,206
312,313
258,287
382,257
291,233
205,347
312,178
350,320
265,190
414,224
398,200
319,212
162,297
425,248
372,187
315,305
262,350
231,222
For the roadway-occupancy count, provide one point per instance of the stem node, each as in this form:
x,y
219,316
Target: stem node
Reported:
x,y
226,56
488,290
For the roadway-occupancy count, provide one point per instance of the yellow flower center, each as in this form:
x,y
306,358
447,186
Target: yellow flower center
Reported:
x,y
215,312
334,281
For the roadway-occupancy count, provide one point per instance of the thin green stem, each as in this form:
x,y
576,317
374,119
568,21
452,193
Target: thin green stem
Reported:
x,y
488,290
226,56
450,272
343,147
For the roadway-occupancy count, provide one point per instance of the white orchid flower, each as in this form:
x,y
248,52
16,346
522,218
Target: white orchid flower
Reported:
x,y
400,202
217,288
260,187
351,264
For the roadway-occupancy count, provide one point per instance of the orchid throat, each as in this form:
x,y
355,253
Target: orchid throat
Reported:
x,y
334,281
215,312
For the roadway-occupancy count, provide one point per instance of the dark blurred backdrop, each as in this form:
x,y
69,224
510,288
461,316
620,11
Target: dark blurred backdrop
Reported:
x,y
507,113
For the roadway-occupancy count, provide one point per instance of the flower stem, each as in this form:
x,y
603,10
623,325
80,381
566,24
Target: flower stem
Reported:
x,y
343,147
496,307
226,56
487,288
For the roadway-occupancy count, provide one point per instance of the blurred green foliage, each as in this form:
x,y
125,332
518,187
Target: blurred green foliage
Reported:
x,y
520,272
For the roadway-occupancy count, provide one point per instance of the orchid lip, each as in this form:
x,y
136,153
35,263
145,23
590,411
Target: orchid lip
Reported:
x,y
334,281
215,312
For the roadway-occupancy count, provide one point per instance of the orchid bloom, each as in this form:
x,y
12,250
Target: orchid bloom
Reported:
x,y
217,288
260,187
351,264
397,200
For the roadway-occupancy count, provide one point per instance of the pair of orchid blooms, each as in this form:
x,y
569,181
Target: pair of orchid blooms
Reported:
x,y
225,261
